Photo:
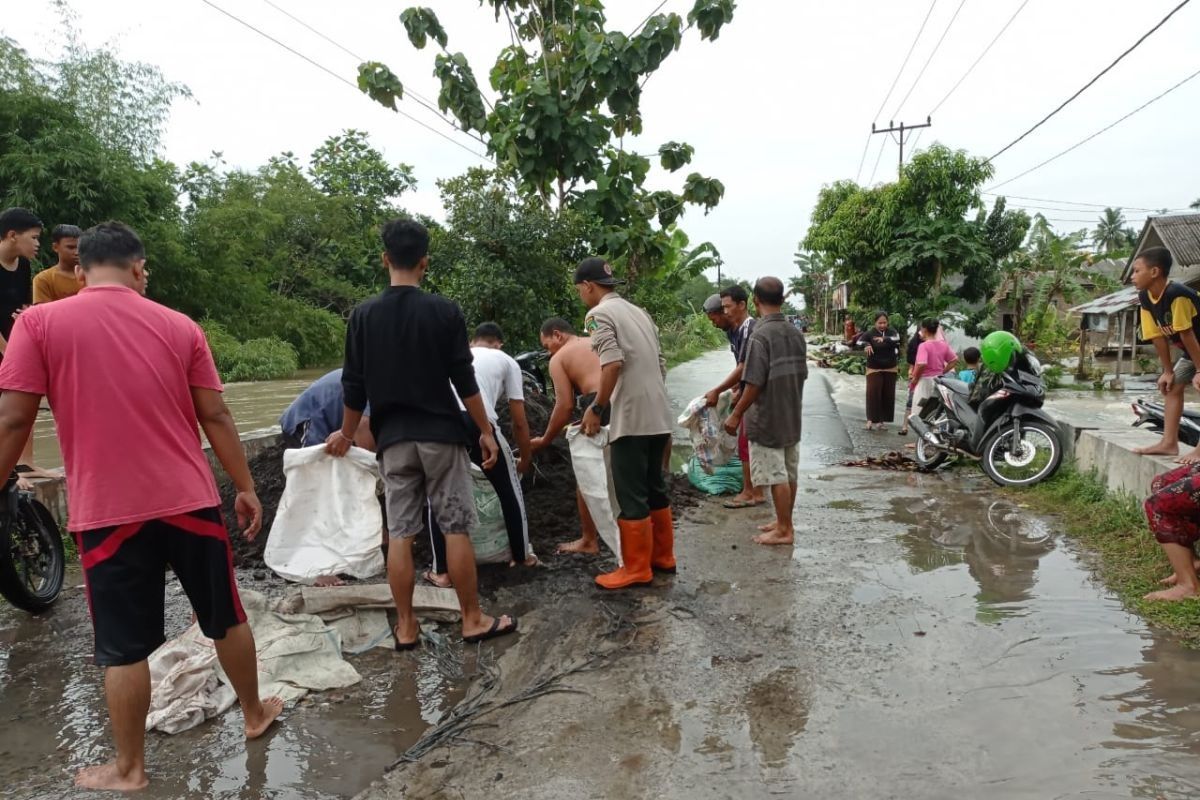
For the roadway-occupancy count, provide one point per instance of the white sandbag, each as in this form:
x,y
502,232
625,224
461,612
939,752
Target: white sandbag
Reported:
x,y
593,475
712,446
328,521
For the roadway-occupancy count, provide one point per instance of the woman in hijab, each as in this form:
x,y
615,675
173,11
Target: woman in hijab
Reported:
x,y
882,346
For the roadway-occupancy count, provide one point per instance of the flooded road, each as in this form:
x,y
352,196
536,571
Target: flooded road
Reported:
x,y
926,638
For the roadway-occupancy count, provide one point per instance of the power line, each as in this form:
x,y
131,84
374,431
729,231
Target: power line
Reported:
x,y
877,158
936,47
420,99
1025,207
1087,85
340,77
986,50
892,88
1111,125
1067,202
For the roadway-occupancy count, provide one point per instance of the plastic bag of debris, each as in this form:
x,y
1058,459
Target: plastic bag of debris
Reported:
x,y
328,521
593,475
713,447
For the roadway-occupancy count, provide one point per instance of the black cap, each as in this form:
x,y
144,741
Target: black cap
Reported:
x,y
596,270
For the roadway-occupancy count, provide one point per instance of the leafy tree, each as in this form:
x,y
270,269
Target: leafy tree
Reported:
x,y
814,284
568,91
1196,204
501,256
922,245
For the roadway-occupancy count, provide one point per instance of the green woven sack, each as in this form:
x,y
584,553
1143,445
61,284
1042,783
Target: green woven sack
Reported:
x,y
725,479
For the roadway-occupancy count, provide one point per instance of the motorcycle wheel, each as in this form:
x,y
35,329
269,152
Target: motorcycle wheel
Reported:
x,y
1040,456
929,457
32,562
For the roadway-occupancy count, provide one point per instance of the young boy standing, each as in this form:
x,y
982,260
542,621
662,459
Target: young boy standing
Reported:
x,y
59,282
1170,314
19,232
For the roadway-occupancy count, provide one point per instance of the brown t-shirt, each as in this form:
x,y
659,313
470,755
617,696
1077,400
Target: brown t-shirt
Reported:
x,y
777,363
54,284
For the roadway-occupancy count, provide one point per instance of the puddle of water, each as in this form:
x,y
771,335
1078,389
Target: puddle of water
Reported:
x,y
328,745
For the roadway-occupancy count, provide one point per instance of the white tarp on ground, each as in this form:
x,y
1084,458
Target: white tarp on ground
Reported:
x,y
593,476
328,522
297,653
300,645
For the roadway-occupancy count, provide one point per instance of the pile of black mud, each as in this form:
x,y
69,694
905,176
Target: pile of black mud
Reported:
x,y
549,490
267,470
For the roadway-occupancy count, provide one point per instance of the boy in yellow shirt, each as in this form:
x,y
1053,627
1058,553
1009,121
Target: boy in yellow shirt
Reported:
x,y
59,282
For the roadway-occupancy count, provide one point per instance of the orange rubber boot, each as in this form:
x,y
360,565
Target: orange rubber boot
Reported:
x,y
637,540
662,553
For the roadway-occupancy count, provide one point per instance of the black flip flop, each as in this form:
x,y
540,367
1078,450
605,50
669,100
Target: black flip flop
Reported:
x,y
492,632
404,647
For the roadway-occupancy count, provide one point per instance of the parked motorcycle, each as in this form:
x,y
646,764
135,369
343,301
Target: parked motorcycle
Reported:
x,y
1152,414
1016,442
32,562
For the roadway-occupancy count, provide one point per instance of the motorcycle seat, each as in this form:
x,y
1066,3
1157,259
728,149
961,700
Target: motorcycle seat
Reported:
x,y
1192,415
956,386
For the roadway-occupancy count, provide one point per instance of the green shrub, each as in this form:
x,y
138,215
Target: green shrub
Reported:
x,y
682,340
317,336
259,359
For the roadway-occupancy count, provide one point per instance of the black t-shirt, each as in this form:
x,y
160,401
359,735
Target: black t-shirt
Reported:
x,y
885,348
1177,309
404,348
16,292
913,344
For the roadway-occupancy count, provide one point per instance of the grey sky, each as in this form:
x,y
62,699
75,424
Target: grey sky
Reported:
x,y
778,106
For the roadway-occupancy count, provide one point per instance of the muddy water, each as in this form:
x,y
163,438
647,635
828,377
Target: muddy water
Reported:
x,y
330,744
256,408
926,638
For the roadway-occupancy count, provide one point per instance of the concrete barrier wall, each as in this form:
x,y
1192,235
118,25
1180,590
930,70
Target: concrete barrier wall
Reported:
x,y
53,493
1110,454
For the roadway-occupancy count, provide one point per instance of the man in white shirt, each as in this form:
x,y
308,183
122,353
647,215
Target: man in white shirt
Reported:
x,y
499,378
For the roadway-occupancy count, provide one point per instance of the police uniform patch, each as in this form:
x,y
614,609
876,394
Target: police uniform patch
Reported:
x,y
590,324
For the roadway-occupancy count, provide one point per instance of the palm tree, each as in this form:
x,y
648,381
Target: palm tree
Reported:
x,y
1109,235
814,284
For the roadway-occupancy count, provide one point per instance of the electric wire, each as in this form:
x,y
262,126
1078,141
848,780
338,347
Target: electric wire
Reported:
x,y
936,47
1088,85
892,88
340,77
1107,127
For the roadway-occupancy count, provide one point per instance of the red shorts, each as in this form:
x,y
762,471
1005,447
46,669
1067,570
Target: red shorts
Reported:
x,y
743,443
124,569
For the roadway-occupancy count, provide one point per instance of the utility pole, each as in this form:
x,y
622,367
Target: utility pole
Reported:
x,y
903,129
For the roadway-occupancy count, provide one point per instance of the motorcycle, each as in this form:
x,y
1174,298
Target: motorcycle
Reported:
x,y
1152,414
32,562
1016,442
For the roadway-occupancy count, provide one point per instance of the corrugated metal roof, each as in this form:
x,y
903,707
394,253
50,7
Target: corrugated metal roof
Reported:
x,y
1110,304
1180,233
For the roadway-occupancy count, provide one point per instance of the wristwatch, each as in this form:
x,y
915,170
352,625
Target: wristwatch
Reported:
x,y
598,409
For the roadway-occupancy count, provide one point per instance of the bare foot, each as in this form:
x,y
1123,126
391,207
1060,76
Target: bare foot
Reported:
x,y
440,580
256,726
870,426
34,471
770,526
1176,592
1192,457
1173,579
106,777
1160,449
531,561
775,537
581,545
329,580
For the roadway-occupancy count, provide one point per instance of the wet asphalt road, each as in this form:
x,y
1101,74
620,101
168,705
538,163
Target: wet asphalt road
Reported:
x,y
925,638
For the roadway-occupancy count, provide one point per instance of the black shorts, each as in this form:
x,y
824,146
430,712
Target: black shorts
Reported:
x,y
124,569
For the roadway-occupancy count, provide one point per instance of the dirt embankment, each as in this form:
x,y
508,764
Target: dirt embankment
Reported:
x,y
549,504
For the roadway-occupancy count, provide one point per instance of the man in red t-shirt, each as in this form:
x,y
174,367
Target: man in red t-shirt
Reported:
x,y
128,380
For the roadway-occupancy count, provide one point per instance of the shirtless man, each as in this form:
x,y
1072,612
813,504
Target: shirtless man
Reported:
x,y
575,371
